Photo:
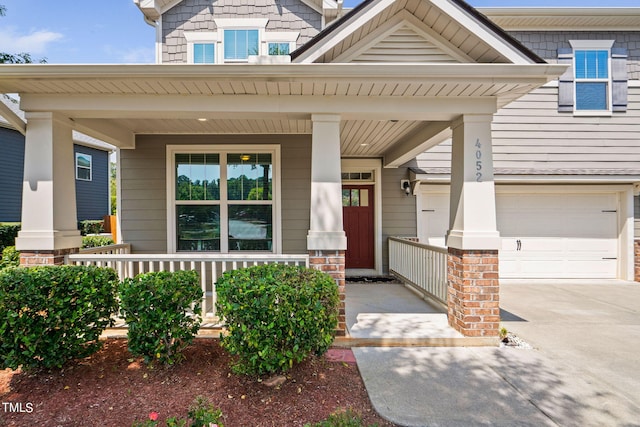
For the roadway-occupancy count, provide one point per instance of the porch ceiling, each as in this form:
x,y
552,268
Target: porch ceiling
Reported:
x,y
381,105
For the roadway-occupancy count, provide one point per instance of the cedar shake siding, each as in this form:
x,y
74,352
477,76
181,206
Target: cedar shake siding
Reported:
x,y
144,196
198,15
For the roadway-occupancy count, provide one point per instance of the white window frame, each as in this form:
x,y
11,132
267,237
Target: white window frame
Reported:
x,y
205,37
289,37
577,45
223,150
223,24
90,168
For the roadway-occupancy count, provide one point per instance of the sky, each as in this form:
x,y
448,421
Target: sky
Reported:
x,y
113,31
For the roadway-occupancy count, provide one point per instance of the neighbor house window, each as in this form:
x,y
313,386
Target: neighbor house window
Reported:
x,y
278,48
83,167
240,44
223,200
204,53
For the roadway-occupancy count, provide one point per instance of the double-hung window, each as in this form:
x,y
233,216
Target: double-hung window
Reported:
x,y
83,167
240,44
223,199
595,82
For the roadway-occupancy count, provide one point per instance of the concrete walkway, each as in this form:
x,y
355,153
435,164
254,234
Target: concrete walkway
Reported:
x,y
583,370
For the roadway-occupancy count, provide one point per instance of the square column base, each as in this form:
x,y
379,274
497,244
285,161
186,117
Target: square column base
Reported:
x,y
47,257
332,262
474,292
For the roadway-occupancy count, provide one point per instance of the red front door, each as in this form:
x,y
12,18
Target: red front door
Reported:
x,y
357,208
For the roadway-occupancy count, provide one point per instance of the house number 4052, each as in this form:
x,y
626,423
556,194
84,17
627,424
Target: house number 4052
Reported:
x,y
478,161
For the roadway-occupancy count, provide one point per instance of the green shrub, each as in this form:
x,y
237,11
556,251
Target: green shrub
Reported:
x,y
276,315
162,311
96,241
10,257
91,227
52,314
8,234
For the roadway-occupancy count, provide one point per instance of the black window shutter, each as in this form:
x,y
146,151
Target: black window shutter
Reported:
x,y
565,84
619,86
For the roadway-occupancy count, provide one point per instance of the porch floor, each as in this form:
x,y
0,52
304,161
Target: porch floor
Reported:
x,y
393,311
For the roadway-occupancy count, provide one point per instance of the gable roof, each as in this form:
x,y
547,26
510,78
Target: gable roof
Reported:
x,y
346,33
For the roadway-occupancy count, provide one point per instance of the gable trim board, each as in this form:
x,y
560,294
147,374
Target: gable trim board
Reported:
x,y
549,231
456,10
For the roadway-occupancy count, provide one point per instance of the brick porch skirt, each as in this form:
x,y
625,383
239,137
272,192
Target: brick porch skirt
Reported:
x,y
474,298
332,263
48,257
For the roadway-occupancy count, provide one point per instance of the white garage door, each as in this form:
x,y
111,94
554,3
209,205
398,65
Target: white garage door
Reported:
x,y
544,235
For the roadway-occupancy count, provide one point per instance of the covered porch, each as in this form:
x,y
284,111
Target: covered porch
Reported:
x,y
308,117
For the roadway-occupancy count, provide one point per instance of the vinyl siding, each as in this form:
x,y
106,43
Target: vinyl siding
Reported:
x,y
198,15
398,211
11,174
531,136
92,197
143,187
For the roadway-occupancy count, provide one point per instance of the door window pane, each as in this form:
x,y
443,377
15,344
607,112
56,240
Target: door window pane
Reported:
x,y
364,197
346,197
249,176
355,197
250,228
197,177
198,227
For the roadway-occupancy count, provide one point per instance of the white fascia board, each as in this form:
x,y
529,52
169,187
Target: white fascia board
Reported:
x,y
15,121
490,73
488,36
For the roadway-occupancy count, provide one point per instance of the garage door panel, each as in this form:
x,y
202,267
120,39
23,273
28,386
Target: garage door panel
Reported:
x,y
560,235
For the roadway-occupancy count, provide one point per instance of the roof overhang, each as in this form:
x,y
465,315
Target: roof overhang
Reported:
x,y
114,103
564,18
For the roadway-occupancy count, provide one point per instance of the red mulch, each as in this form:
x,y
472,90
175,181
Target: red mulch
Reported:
x,y
111,388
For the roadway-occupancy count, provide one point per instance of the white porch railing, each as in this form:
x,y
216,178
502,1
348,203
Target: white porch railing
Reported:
x,y
209,266
422,266
121,248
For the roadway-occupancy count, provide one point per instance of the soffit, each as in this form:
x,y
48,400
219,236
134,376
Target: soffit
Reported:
x,y
565,19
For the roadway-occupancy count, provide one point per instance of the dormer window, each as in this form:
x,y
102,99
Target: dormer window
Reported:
x,y
279,48
240,44
204,53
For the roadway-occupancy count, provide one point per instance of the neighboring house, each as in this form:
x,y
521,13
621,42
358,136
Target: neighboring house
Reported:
x,y
297,127
91,158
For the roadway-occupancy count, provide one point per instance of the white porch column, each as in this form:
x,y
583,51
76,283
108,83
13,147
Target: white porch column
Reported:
x,y
49,220
326,227
472,217
327,240
473,298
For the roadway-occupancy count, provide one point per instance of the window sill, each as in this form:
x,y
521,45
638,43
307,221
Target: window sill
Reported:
x,y
594,113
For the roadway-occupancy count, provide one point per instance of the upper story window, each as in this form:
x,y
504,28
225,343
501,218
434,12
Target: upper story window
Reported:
x,y
279,48
240,44
83,167
595,82
204,53
239,40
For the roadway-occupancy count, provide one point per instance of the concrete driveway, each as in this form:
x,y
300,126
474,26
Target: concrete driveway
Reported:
x,y
584,369
591,326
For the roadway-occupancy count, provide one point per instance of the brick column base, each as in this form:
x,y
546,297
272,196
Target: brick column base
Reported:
x,y
474,298
332,263
636,260
29,258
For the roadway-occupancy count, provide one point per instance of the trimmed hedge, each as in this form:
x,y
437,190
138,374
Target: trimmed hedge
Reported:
x,y
96,241
162,310
8,234
91,227
276,315
52,314
10,258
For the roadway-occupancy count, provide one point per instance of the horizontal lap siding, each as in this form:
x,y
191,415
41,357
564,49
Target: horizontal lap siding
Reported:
x,y
398,211
92,197
11,174
144,202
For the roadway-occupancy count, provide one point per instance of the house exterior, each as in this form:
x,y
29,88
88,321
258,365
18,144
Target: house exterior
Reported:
x,y
297,127
91,165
